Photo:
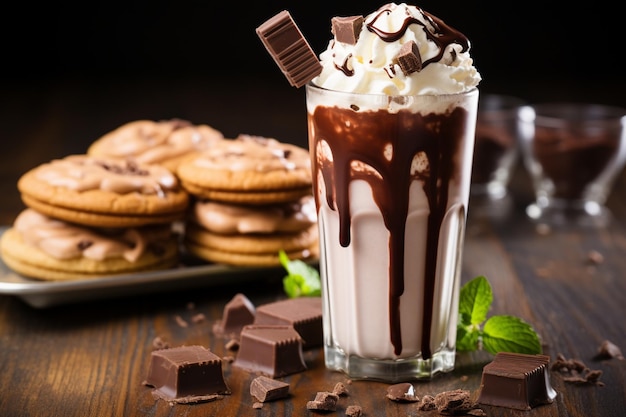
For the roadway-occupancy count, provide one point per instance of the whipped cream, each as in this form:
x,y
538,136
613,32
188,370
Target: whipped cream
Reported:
x,y
371,65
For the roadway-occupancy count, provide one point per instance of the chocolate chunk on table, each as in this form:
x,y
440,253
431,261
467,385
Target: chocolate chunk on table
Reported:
x,y
303,313
289,49
238,312
186,374
265,389
271,350
517,381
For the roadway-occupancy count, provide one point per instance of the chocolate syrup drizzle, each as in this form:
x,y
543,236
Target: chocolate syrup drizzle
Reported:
x,y
437,136
443,35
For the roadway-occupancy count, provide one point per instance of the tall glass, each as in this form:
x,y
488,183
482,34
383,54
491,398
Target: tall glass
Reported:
x,y
391,177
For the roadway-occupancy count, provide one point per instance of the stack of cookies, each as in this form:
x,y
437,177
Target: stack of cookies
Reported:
x,y
251,199
91,216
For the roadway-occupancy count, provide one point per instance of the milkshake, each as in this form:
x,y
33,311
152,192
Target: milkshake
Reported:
x,y
391,120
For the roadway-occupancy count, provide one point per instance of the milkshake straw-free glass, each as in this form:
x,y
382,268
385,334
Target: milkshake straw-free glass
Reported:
x,y
391,177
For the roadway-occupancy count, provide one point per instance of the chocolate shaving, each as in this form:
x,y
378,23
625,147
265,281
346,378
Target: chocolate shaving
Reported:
x,y
575,371
409,58
289,49
347,29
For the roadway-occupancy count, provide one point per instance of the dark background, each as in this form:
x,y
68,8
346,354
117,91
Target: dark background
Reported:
x,y
106,63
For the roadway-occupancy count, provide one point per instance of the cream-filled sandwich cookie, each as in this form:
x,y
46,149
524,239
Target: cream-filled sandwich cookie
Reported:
x,y
164,142
45,248
249,170
104,192
252,235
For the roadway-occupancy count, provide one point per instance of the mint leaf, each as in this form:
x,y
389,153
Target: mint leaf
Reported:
x,y
509,334
302,280
467,338
475,301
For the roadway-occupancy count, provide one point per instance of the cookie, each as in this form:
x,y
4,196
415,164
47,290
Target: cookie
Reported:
x,y
250,250
97,191
165,142
44,248
252,235
248,170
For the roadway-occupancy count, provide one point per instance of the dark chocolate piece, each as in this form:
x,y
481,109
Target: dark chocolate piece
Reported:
x,y
271,350
403,392
517,381
324,401
409,58
289,49
267,389
347,29
186,374
238,312
303,313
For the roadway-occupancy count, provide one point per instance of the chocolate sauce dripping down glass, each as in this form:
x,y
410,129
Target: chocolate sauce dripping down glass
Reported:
x,y
363,136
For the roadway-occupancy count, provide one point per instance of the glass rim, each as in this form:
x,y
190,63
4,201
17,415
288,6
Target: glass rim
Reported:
x,y
563,112
313,86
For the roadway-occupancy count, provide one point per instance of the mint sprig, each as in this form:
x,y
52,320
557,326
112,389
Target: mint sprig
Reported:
x,y
500,333
302,280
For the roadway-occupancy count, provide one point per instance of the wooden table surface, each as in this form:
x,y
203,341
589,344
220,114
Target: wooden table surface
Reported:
x,y
90,358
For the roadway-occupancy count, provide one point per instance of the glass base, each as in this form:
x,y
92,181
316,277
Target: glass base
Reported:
x,y
389,370
560,213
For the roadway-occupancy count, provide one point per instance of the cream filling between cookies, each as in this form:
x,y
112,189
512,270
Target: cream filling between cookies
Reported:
x,y
63,241
231,219
254,153
84,173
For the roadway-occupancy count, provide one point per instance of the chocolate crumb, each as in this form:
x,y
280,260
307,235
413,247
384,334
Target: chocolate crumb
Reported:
x,y
609,350
324,401
478,412
454,402
340,389
464,378
347,29
409,58
427,403
228,358
159,343
232,344
595,257
403,392
198,318
181,322
575,371
354,411
257,405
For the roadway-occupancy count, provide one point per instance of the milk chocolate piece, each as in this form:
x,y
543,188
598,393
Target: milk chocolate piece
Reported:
x,y
289,49
409,58
271,350
267,389
517,381
186,374
324,401
303,313
347,29
402,392
238,312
